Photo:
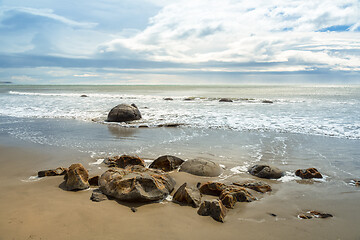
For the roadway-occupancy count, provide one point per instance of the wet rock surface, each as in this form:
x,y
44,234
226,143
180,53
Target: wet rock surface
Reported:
x,y
166,163
201,167
266,171
136,184
77,177
52,172
308,173
256,186
124,113
124,161
213,208
188,195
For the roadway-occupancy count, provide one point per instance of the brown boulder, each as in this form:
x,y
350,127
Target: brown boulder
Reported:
x,y
76,177
213,208
308,173
136,183
52,172
256,186
201,167
188,195
314,214
124,161
212,188
124,113
265,171
166,163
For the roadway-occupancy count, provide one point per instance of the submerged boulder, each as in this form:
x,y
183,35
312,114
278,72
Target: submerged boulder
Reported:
x,y
266,171
308,173
166,163
136,183
124,161
77,177
213,208
124,113
187,195
52,172
201,167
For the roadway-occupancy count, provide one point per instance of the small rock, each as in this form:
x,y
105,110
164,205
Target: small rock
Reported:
x,y
314,214
98,196
188,195
308,173
265,171
124,161
168,99
272,214
189,99
76,178
201,167
133,209
84,95
304,216
94,181
166,163
256,186
213,208
267,101
52,172
124,113
225,100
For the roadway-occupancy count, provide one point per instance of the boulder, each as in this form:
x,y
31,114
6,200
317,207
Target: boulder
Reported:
x,y
124,161
225,100
256,186
136,183
52,172
188,195
213,208
212,188
308,173
314,214
166,163
265,171
94,181
98,196
76,177
201,167
267,101
168,99
84,95
124,113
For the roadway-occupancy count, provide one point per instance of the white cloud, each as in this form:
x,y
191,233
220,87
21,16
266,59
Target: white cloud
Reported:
x,y
293,32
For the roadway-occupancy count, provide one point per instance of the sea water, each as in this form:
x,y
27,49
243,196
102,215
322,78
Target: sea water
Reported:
x,y
304,126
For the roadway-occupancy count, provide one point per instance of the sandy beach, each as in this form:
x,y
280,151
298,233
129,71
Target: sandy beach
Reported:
x,y
42,210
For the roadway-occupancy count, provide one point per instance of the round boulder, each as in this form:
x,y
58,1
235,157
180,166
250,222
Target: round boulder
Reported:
x,y
124,113
265,171
201,167
136,184
166,163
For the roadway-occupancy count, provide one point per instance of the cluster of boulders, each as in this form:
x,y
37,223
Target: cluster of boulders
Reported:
x,y
128,179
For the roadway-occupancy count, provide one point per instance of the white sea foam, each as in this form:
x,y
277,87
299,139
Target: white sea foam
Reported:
x,y
99,161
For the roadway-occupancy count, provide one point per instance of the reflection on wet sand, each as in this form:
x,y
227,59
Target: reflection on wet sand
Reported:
x,y
122,132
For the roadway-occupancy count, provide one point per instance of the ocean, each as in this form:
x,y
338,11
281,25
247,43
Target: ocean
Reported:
x,y
290,126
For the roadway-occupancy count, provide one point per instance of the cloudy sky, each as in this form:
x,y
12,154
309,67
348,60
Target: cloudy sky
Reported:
x,y
179,42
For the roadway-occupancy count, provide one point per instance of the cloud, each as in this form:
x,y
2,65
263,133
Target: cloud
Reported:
x,y
289,32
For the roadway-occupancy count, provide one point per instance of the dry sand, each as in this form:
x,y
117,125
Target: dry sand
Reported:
x,y
42,210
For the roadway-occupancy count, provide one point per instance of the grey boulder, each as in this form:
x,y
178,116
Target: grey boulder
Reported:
x,y
266,171
201,167
124,113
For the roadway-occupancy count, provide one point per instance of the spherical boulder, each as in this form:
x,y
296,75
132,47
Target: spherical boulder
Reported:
x,y
266,171
201,167
166,163
124,113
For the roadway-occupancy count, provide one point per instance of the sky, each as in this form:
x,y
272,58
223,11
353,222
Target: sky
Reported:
x,y
179,42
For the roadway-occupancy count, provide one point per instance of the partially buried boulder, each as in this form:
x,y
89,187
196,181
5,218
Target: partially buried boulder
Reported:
x,y
124,161
213,208
52,172
136,183
124,113
187,195
98,196
76,177
265,171
166,163
308,173
201,167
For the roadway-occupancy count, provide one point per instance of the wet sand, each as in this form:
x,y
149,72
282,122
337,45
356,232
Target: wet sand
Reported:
x,y
43,210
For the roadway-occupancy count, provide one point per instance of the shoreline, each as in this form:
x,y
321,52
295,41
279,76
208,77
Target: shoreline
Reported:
x,y
42,210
